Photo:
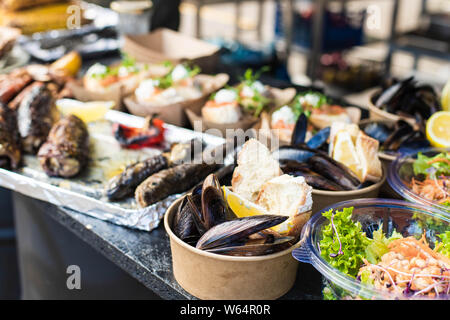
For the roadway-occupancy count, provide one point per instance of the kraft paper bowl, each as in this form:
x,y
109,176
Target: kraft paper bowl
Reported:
x,y
213,276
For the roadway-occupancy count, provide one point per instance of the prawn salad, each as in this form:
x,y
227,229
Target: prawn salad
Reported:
x,y
395,265
432,177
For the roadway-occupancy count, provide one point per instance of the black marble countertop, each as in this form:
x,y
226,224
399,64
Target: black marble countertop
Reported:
x,y
146,255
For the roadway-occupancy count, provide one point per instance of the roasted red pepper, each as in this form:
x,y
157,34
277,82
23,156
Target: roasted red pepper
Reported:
x,y
135,138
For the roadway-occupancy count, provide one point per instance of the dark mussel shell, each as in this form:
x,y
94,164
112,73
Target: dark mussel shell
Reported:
x,y
194,205
402,132
299,154
335,171
388,95
235,231
214,208
378,131
255,248
319,139
299,133
184,226
317,181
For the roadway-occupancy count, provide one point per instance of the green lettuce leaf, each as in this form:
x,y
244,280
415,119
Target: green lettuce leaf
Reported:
x,y
379,245
351,237
445,243
421,164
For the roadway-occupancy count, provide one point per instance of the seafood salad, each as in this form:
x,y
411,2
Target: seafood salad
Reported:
x,y
177,85
432,177
397,265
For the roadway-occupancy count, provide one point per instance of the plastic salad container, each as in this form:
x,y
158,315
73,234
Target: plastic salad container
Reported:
x,y
409,219
400,174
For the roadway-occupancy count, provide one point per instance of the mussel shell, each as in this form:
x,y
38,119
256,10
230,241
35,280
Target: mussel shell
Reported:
x,y
335,171
317,181
299,133
237,230
214,207
388,95
378,131
319,139
292,153
252,248
184,226
194,206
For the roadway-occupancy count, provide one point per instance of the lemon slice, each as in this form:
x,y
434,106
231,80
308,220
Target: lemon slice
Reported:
x,y
241,206
438,129
445,98
245,208
345,152
86,111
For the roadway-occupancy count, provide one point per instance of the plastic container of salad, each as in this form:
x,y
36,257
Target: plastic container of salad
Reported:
x,y
428,184
394,217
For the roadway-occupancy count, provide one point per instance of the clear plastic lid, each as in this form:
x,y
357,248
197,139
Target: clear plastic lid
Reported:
x,y
401,172
410,219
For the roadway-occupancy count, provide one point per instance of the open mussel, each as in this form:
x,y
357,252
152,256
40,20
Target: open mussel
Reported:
x,y
184,223
397,137
255,247
205,221
334,171
235,232
408,98
298,138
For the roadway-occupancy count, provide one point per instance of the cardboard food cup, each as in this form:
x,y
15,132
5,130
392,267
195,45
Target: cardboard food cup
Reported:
x,y
174,113
213,276
378,114
280,98
114,93
323,198
168,45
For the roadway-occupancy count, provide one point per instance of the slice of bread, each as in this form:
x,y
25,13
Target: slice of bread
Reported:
x,y
255,167
367,151
288,196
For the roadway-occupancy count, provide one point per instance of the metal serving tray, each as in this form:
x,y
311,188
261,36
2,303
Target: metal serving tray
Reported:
x,y
85,193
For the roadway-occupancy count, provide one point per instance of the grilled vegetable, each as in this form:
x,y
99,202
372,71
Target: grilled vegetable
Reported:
x,y
10,153
66,151
171,181
35,116
135,138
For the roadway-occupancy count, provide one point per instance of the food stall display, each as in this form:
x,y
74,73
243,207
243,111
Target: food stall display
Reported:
x,y
107,139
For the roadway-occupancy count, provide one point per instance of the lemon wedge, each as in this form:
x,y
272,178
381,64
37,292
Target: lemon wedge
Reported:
x,y
438,129
344,151
245,208
86,111
445,97
241,206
